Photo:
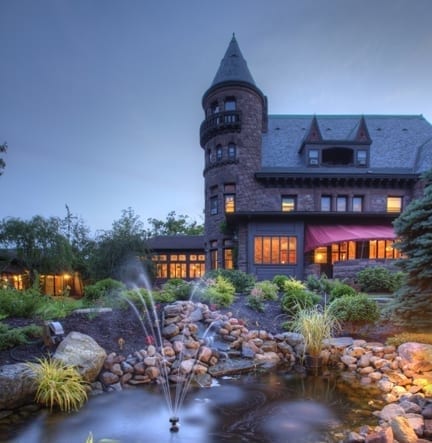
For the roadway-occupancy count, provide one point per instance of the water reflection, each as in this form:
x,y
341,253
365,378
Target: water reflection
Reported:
x,y
273,407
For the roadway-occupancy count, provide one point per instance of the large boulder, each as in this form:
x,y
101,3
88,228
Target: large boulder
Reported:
x,y
82,352
415,357
17,386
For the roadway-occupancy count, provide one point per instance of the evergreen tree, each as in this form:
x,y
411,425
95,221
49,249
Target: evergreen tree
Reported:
x,y
413,305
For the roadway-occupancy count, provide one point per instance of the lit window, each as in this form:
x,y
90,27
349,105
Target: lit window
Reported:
x,y
288,203
232,151
325,203
394,204
279,250
320,255
213,205
383,249
228,258
229,202
219,153
213,255
341,203
357,203
313,158
362,157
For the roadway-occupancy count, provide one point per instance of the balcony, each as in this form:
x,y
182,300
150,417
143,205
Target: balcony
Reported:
x,y
228,121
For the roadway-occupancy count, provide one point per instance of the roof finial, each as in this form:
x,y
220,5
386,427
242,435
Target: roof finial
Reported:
x,y
233,37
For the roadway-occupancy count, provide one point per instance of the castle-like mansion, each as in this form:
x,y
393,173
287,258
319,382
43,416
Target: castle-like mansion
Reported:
x,y
297,194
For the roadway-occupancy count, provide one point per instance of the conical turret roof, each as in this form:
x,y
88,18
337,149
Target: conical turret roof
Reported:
x,y
233,67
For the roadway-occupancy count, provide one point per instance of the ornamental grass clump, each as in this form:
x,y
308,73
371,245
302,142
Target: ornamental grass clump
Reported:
x,y
316,325
58,385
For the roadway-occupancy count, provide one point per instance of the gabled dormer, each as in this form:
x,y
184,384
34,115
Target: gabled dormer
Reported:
x,y
350,151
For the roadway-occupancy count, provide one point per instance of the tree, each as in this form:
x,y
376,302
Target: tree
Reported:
x,y
3,149
38,243
413,305
174,225
118,252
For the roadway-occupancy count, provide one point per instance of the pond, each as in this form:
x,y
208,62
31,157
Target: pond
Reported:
x,y
266,407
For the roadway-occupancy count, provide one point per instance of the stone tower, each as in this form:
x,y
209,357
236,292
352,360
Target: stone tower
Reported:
x,y
231,135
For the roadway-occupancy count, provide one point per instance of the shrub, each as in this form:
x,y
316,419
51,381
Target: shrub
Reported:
x,y
58,385
58,307
219,292
11,337
241,281
405,337
177,288
15,303
296,299
103,288
356,309
267,290
321,285
340,289
255,302
379,279
280,280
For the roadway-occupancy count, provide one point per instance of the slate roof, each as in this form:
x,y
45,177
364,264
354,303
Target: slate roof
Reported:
x,y
400,143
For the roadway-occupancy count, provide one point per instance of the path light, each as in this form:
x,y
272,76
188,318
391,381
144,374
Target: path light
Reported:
x,y
53,333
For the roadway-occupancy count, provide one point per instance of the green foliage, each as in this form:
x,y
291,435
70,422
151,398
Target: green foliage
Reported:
x,y
58,307
174,225
379,279
414,230
340,289
241,281
255,302
177,289
11,337
15,303
295,297
407,337
280,280
58,385
321,285
266,289
316,325
357,309
103,288
219,291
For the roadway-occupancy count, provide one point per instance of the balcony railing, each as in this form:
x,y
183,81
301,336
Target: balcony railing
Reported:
x,y
227,121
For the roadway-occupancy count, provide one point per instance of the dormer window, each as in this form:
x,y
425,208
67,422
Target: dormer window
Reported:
x,y
338,156
313,157
362,157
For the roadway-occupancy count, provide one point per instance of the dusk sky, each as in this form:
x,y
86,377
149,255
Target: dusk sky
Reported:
x,y
100,100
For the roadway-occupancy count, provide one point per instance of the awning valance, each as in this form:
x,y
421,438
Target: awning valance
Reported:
x,y
322,235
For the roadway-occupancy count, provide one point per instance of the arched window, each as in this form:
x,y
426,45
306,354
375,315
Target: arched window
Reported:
x,y
219,153
232,151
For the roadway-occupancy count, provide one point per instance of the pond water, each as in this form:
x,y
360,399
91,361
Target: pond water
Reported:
x,y
269,407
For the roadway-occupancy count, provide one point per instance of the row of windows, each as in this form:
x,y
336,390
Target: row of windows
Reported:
x,y
276,250
228,258
351,250
341,203
229,196
185,266
338,157
222,153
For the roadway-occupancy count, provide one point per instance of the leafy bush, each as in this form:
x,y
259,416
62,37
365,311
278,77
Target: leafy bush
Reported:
x,y
177,288
321,285
266,289
340,289
11,337
241,281
357,309
103,288
255,302
295,299
58,385
291,284
280,280
15,303
58,307
405,337
219,292
379,279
